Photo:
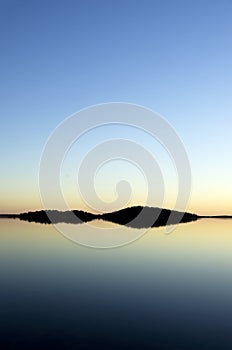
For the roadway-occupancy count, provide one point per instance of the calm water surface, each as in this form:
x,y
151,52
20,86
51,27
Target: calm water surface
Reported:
x,y
160,292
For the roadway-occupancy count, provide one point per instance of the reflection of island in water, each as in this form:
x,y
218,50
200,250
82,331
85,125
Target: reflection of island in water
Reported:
x,y
136,217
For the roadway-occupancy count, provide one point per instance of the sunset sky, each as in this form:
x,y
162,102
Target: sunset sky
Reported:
x,y
173,57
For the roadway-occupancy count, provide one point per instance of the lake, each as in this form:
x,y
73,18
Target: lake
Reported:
x,y
160,292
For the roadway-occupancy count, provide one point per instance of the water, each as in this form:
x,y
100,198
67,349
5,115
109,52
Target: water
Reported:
x,y
162,291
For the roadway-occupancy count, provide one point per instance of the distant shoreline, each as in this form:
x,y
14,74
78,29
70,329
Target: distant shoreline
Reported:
x,y
137,217
9,216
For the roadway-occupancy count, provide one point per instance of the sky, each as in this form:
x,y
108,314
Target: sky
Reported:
x,y
173,57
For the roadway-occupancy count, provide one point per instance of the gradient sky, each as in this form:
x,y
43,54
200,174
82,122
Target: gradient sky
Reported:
x,y
171,56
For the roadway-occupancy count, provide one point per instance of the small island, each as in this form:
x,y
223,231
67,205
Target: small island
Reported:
x,y
137,217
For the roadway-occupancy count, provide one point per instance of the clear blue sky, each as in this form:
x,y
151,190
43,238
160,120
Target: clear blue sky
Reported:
x,y
171,56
